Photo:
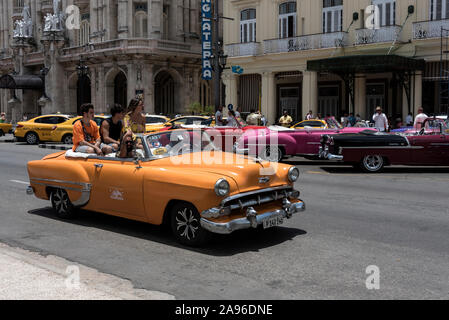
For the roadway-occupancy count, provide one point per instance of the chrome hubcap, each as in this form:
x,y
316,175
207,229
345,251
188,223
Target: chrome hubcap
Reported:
x,y
373,162
60,201
31,139
187,224
68,140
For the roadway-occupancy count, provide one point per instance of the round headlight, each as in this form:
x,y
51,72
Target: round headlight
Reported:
x,y
293,174
222,188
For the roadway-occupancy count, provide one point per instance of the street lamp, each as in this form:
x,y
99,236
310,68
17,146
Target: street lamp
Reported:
x,y
220,63
82,69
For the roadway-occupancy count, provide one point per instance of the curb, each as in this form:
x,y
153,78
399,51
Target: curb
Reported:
x,y
45,146
8,141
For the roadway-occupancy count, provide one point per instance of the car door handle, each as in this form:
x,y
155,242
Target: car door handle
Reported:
x,y
98,165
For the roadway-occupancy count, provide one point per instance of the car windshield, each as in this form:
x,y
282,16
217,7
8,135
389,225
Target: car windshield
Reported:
x,y
332,123
178,142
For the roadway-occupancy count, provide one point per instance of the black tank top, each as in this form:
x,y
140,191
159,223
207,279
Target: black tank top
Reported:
x,y
115,130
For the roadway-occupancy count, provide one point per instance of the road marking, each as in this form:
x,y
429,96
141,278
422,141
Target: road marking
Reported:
x,y
317,172
20,182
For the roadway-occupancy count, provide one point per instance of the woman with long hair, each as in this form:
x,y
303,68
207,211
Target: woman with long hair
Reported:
x,y
134,119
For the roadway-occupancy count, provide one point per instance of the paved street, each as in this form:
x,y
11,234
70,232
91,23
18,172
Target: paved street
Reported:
x,y
397,221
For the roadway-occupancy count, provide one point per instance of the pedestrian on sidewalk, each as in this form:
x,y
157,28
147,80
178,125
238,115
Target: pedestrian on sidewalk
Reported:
x,y
380,120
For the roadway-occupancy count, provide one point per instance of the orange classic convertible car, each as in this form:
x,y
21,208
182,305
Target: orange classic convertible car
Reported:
x,y
178,178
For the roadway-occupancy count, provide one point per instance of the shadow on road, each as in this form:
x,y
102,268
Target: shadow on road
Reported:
x,y
387,170
219,245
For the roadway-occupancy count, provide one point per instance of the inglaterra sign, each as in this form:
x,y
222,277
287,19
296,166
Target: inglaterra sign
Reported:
x,y
206,38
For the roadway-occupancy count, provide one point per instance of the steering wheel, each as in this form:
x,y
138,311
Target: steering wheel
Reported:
x,y
422,131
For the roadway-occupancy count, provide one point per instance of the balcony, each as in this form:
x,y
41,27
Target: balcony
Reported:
x,y
47,6
136,45
429,29
17,13
383,34
308,42
243,49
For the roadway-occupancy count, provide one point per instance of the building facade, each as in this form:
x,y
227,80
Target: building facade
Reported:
x,y
120,48
337,56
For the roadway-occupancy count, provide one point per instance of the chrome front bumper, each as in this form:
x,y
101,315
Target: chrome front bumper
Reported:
x,y
252,219
324,154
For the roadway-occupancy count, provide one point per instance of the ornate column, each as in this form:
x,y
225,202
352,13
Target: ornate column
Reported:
x,y
147,80
268,107
122,16
418,92
131,80
231,82
310,92
360,96
155,13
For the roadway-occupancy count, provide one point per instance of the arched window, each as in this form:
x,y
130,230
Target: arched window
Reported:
x,y
84,33
332,16
141,24
287,19
248,25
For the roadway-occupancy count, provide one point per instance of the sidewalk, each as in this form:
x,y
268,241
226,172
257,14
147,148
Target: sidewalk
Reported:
x,y
26,275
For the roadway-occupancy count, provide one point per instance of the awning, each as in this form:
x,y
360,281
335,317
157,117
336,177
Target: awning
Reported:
x,y
31,82
366,64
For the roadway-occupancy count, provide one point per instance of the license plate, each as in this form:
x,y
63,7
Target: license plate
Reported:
x,y
273,222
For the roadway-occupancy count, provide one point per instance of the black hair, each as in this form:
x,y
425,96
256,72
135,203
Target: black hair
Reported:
x,y
84,108
117,108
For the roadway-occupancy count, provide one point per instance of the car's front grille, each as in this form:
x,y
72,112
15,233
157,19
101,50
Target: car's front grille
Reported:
x,y
258,197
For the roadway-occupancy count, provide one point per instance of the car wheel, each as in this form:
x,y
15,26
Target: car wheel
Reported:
x,y
372,163
272,154
61,204
1,133
186,226
67,139
32,138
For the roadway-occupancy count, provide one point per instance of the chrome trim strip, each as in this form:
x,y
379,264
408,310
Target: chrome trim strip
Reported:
x,y
60,181
85,190
439,144
386,147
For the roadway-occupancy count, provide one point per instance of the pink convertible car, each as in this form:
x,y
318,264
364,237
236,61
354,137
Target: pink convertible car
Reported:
x,y
274,143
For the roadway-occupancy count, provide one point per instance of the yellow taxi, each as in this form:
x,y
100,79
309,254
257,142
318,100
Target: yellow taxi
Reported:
x,y
5,128
155,122
39,129
64,131
313,123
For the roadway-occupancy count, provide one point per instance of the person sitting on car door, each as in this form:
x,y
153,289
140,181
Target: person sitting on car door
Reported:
x,y
130,148
111,129
86,136
420,119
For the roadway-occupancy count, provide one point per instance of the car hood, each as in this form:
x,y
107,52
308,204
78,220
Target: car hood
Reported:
x,y
245,171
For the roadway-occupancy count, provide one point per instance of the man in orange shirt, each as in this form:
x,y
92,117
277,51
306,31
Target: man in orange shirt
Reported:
x,y
86,136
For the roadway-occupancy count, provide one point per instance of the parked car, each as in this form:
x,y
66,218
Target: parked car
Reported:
x,y
155,122
276,142
372,151
164,185
5,128
313,123
39,129
64,131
